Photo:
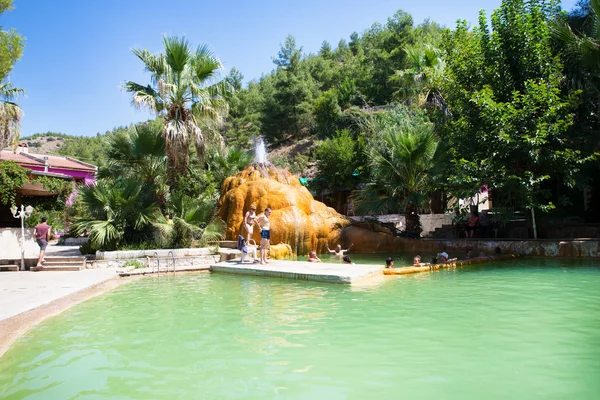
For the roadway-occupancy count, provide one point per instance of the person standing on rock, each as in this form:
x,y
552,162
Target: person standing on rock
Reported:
x,y
249,222
42,236
265,234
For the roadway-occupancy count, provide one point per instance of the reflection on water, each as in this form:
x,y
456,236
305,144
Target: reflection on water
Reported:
x,y
516,330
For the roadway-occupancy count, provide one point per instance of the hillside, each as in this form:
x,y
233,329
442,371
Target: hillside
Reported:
x,y
45,143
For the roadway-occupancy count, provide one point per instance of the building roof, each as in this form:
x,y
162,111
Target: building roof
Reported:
x,y
39,160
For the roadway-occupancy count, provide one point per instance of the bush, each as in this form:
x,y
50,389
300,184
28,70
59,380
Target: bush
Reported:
x,y
134,263
87,248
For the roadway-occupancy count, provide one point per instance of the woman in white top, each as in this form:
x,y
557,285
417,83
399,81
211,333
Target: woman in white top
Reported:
x,y
249,222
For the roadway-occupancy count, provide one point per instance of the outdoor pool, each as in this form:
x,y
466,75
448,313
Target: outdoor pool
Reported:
x,y
510,330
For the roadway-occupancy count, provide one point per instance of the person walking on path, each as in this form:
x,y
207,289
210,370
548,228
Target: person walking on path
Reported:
x,y
42,236
265,234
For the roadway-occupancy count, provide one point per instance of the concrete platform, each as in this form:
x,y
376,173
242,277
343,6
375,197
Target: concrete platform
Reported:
x,y
23,291
303,270
163,270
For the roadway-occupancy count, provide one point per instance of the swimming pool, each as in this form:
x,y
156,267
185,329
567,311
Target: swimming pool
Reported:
x,y
519,330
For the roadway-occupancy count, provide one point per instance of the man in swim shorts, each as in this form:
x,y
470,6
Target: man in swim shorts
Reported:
x,y
265,234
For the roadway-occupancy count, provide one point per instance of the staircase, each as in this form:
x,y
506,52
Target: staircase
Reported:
x,y
9,267
62,264
444,232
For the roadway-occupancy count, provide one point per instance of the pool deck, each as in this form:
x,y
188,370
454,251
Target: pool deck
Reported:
x,y
302,270
27,298
24,291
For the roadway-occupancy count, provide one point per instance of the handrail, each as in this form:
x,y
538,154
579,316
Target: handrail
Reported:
x,y
157,263
172,260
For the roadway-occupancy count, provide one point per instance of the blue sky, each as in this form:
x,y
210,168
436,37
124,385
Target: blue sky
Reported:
x,y
78,52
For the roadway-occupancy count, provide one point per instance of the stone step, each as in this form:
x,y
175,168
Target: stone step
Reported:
x,y
10,267
64,258
58,268
48,263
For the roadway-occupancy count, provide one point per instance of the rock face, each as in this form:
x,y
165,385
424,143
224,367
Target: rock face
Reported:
x,y
297,219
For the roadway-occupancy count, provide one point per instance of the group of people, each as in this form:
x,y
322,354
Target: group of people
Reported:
x,y
264,224
337,252
478,222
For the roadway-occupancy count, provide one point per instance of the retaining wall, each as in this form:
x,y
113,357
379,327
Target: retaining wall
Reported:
x,y
429,222
9,244
142,254
386,243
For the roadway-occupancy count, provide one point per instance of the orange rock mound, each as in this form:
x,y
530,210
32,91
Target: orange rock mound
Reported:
x,y
297,219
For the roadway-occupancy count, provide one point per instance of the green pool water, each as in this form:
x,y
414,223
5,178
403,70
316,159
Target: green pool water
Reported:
x,y
513,330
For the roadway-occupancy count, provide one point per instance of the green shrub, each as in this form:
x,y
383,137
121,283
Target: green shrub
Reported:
x,y
87,248
134,263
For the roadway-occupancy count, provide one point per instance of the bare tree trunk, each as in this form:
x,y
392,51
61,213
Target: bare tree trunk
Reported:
x,y
533,223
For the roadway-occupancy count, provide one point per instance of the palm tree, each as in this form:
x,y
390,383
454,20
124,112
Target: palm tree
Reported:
x,y
402,159
187,91
10,114
586,40
422,79
225,163
138,153
193,220
116,211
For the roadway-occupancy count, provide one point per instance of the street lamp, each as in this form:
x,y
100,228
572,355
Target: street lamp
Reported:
x,y
23,213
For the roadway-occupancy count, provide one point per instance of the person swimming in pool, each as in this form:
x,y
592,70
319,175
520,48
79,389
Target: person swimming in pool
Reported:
x,y
339,252
312,257
265,234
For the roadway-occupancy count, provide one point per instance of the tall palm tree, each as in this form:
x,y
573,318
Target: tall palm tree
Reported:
x,y
421,80
10,114
402,159
187,91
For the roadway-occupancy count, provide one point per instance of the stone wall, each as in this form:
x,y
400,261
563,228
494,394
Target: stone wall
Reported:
x,y
429,222
387,244
9,244
187,261
142,254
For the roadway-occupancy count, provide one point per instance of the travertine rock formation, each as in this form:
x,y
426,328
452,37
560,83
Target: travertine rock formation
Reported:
x,y
297,219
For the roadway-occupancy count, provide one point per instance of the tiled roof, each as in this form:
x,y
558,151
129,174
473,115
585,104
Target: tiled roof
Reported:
x,y
53,161
21,158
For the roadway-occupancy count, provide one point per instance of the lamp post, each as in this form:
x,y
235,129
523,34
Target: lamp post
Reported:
x,y
23,213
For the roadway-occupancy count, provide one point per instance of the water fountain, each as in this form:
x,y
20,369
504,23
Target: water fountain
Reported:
x,y
260,151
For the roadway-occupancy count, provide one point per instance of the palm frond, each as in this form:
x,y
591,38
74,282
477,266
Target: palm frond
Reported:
x,y
177,53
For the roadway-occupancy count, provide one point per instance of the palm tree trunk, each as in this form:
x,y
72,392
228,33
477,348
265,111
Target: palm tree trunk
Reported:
x,y
176,165
413,226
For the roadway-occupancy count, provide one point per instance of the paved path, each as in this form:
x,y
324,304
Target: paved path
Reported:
x,y
23,291
303,270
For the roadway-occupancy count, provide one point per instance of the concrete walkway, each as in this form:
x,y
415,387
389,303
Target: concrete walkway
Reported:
x,y
23,291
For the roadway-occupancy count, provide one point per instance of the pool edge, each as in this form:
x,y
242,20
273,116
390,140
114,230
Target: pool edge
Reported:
x,y
16,326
